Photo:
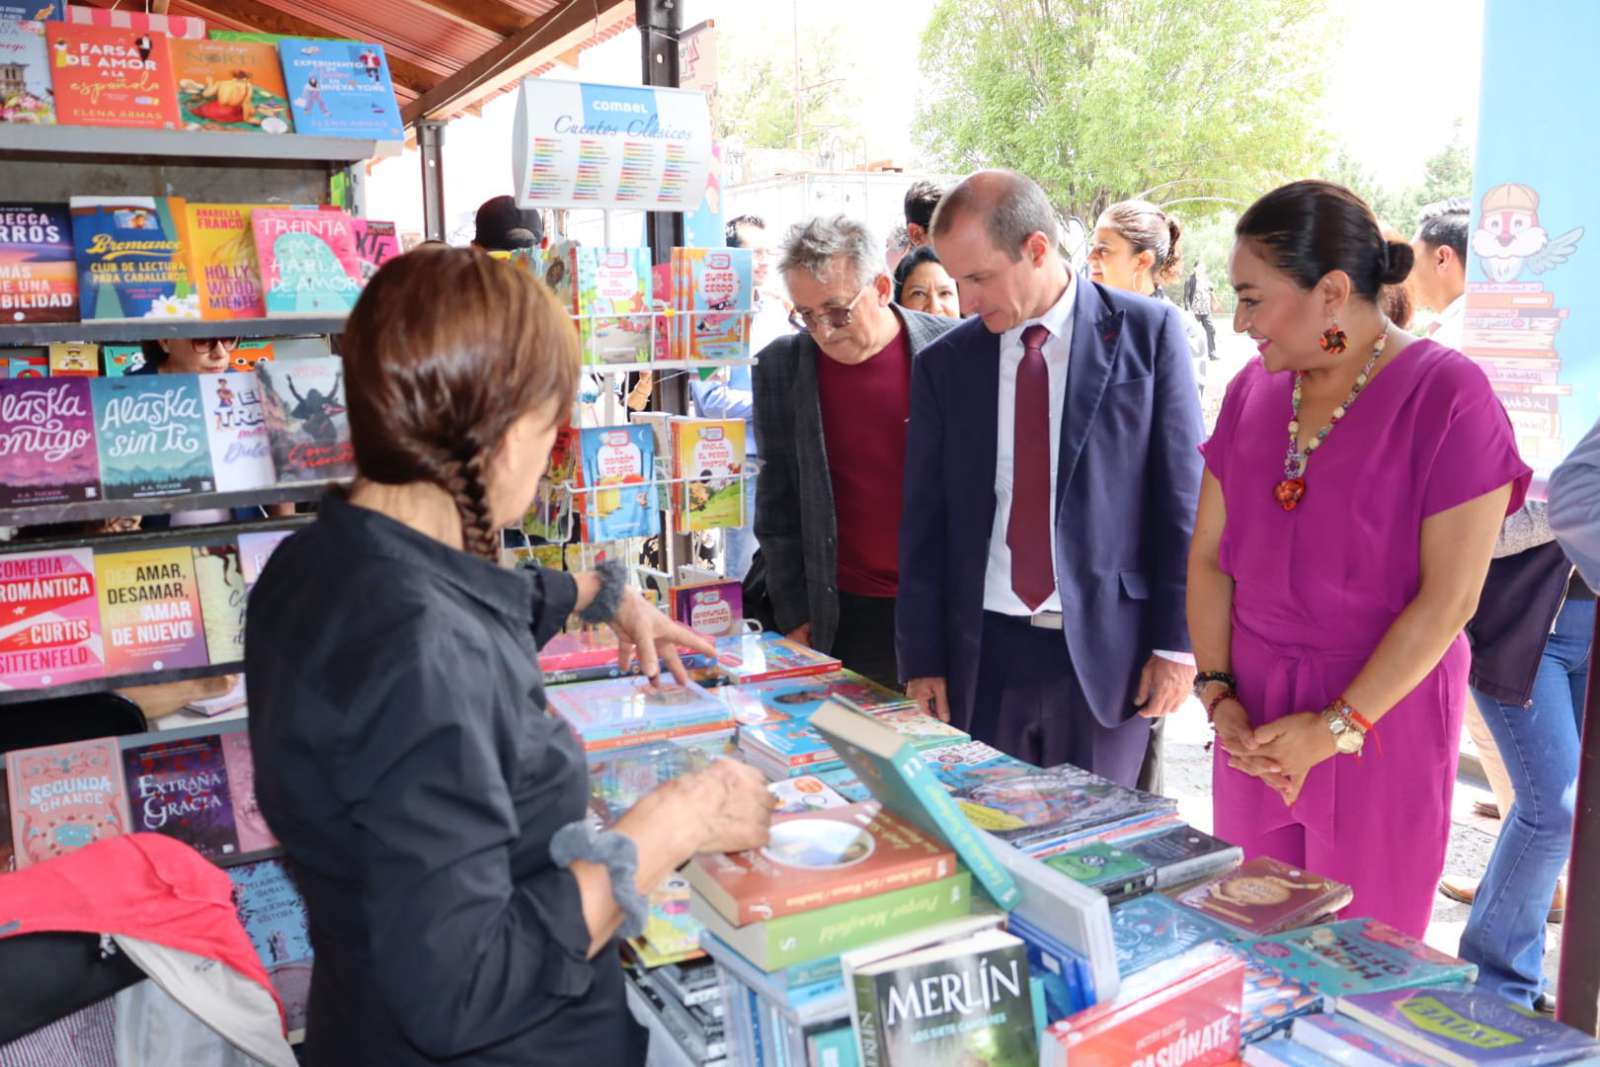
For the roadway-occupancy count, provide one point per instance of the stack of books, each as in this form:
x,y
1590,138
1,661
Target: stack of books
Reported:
x,y
625,713
685,1001
592,655
746,658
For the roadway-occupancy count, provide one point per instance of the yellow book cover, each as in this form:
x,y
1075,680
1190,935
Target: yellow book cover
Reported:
x,y
71,359
222,260
709,460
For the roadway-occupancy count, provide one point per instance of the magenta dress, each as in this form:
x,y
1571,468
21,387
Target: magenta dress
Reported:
x,y
1316,589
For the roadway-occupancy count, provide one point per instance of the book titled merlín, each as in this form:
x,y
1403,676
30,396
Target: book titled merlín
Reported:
x,y
960,1002
1468,1027
1266,896
38,273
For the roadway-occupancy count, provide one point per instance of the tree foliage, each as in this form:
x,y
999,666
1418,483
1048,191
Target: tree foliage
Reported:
x,y
756,91
1203,101
1446,173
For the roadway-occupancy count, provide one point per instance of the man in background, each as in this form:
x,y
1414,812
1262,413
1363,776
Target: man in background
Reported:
x,y
504,227
1439,276
921,201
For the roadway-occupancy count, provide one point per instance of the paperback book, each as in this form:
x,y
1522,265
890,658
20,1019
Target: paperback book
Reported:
x,y
748,658
964,766
1272,1002
309,263
376,244
626,712
717,292
26,95
222,600
50,627
254,551
795,796
1357,956
150,610
236,428
72,359
222,260
1183,855
1151,928
254,833
1266,896
274,915
180,789
708,464
612,290
131,262
1468,1027
47,443
715,609
112,76
1120,875
340,89
922,729
231,85
38,271
151,431
1055,806
618,469
64,797
797,699
620,778
308,425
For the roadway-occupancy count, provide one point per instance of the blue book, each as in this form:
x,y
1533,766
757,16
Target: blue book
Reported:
x,y
1068,986
274,915
1272,1002
1357,956
619,465
1468,1027
1150,929
1345,1041
899,776
340,89
971,763
843,780
131,263
1281,1051
30,10
151,431
833,1048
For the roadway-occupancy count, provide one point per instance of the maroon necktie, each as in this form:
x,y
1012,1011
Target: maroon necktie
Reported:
x,y
1028,532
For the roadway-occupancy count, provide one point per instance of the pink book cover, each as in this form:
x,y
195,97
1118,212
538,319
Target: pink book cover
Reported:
x,y
254,833
49,619
376,244
308,258
64,797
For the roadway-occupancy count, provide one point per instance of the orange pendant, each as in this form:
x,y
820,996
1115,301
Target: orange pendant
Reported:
x,y
1289,492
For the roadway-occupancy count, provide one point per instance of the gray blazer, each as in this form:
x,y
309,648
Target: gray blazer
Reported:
x,y
795,521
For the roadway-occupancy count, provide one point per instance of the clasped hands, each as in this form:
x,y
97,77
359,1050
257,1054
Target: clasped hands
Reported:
x,y
1281,753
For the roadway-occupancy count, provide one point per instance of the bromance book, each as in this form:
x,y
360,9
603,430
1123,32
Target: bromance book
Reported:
x,y
112,76
151,431
340,89
230,85
308,260
236,429
221,246
47,443
64,797
180,789
307,422
1357,956
1265,896
26,95
38,273
150,610
131,263
49,619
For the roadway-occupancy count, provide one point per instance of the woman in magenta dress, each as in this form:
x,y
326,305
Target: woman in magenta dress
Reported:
x,y
1345,526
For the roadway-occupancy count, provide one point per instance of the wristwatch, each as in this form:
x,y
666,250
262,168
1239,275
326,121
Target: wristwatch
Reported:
x,y
1347,736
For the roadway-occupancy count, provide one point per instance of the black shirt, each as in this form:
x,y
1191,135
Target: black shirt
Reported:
x,y
406,762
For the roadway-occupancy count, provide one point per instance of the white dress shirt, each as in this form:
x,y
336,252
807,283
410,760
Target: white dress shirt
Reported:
x,y
1451,324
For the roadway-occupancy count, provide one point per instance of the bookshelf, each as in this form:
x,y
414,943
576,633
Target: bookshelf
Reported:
x,y
121,331
35,143
91,511
118,681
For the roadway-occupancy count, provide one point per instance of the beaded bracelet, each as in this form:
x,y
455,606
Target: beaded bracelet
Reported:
x,y
1205,678
1216,701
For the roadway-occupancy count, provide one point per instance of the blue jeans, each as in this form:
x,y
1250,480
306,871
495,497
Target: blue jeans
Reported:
x,y
739,545
1539,744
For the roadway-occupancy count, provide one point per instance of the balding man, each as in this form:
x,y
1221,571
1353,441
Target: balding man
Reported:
x,y
1052,473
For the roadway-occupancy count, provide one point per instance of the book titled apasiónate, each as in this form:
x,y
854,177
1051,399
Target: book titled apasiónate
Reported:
x,y
340,89
152,436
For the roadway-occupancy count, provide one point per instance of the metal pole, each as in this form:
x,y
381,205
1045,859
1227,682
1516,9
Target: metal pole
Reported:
x,y
430,144
1578,986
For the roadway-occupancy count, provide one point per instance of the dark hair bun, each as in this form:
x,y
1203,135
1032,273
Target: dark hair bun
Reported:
x,y
1399,259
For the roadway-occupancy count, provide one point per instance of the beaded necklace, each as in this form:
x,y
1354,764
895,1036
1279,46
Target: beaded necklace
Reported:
x,y
1289,492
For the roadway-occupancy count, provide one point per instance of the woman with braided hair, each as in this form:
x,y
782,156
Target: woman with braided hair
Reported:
x,y
432,812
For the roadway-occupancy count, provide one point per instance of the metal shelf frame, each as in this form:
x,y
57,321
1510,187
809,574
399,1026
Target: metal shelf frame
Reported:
x,y
130,331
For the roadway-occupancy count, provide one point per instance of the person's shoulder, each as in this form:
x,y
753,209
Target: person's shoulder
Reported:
x,y
779,356
923,329
1448,372
956,341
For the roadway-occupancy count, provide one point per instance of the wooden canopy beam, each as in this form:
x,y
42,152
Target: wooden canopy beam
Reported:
x,y
490,15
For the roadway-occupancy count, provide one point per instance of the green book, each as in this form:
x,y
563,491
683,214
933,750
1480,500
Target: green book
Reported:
x,y
826,932
1116,873
898,776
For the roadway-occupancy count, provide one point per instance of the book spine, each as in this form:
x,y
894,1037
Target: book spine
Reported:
x,y
767,908
813,935
955,827
864,1012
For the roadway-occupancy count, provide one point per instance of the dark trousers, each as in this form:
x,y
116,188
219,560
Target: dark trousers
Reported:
x,y
1029,705
865,641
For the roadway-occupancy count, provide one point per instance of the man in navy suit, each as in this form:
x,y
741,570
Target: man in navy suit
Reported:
x,y
1052,472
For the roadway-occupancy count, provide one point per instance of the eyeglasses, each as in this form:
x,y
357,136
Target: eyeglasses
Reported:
x,y
835,318
206,344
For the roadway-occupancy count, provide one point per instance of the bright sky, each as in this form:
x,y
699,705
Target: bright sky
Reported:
x,y
1407,69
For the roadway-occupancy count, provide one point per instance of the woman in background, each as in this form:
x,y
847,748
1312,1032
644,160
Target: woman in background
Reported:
x,y
922,284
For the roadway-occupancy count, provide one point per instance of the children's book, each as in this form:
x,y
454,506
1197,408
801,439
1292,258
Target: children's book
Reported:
x,y
274,915
222,600
222,260
797,699
49,619
29,362
1054,806
150,610
254,833
1265,896
26,94
121,359
1468,1027
131,262
708,464
612,300
620,778
618,467
74,359
151,431
1151,928
1118,874
38,271
970,763
922,729
309,264
340,89
1183,855
254,551
1357,956
715,609
47,444
64,797
236,427
623,711
112,76
180,789
717,302
795,796
307,421
747,658
376,244
1272,1002
231,85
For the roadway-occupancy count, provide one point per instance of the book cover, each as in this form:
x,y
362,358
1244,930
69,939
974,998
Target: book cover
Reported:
x,y
620,779
1265,896
1183,855
151,431
796,796
799,698
47,445
26,93
274,915
1345,1041
121,359
38,270
1118,874
818,859
786,744
953,1003
307,421
64,797
898,776
708,457
309,264
748,658
923,730
180,789
236,430
30,362
1468,1027
618,708
222,600
230,85
612,289
376,244
131,262
150,610
30,10
549,518
720,281
1150,929
49,619
186,27
1035,809
1357,956
715,609
254,833
1272,1002
967,764
1066,976
112,76
340,89
222,260
254,551
71,359
618,469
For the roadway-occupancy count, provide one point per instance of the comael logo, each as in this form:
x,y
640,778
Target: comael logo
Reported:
x,y
620,105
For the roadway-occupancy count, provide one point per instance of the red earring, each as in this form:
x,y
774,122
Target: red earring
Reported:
x,y
1334,340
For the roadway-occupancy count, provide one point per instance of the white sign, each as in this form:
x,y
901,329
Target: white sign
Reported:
x,y
582,145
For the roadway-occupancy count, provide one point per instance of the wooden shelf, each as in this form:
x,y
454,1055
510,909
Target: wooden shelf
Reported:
x,y
89,511
130,331
209,147
117,681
